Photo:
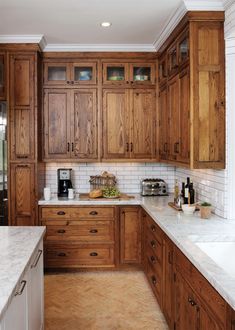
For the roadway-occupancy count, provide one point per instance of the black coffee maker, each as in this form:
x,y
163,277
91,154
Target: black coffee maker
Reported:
x,y
64,181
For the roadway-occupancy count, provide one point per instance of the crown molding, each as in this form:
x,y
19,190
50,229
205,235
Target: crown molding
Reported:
x,y
170,25
22,39
216,5
99,48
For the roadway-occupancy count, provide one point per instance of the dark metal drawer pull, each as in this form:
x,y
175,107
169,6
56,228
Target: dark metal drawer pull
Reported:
x,y
93,254
61,231
93,213
153,244
22,157
61,254
154,280
22,286
153,259
37,259
61,213
93,231
153,228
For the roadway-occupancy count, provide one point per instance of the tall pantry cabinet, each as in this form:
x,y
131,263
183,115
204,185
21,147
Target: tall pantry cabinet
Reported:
x,y
26,172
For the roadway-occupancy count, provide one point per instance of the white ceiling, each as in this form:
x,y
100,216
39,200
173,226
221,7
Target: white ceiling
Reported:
x,y
77,22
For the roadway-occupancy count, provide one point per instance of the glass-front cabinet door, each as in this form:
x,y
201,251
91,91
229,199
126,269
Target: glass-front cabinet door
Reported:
x,y
183,48
83,73
2,76
172,60
115,73
142,73
162,68
56,73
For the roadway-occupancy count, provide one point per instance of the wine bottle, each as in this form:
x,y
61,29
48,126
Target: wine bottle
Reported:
x,y
192,193
183,190
186,191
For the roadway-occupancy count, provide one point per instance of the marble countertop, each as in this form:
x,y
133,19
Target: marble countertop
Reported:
x,y
17,245
185,231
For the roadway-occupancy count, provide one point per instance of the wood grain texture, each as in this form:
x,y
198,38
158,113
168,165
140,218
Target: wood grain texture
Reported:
x,y
84,136
116,123
3,75
163,123
130,235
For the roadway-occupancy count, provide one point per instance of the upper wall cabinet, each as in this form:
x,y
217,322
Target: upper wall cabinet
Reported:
x,y
70,74
3,76
195,95
128,73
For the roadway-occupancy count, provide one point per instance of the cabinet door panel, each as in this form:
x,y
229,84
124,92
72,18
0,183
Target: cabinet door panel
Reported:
x,y
3,76
143,120
173,91
84,124
130,233
57,124
22,193
115,124
164,124
186,315
184,96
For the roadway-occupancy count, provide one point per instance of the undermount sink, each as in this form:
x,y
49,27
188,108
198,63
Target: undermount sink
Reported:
x,y
222,253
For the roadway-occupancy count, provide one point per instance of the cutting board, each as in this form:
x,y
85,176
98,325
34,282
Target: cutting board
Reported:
x,y
122,197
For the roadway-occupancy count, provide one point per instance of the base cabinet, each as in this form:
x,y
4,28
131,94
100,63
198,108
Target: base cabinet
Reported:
x,y
26,309
130,235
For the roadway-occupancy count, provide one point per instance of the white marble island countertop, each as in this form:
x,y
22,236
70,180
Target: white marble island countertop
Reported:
x,y
17,245
186,231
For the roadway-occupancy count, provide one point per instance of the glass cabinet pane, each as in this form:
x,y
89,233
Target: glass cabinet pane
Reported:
x,y
56,73
83,73
173,58
142,74
1,71
115,73
183,50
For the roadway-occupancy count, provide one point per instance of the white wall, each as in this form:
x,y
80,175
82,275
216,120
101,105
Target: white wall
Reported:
x,y
128,174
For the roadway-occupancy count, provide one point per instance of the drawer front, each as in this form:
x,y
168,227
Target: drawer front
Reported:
x,y
154,261
207,293
55,213
154,246
88,231
155,282
154,229
93,213
79,255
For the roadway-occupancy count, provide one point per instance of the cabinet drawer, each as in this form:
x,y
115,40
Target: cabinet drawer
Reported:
x,y
79,255
208,295
93,212
154,261
153,245
154,229
155,282
80,230
55,213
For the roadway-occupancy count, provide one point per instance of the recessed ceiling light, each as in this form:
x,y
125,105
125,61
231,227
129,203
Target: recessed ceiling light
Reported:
x,y
106,24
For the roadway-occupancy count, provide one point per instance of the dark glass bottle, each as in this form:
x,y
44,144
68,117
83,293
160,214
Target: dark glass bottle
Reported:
x,y
192,193
186,191
183,188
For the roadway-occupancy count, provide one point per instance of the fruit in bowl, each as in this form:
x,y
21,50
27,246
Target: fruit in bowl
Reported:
x,y
111,192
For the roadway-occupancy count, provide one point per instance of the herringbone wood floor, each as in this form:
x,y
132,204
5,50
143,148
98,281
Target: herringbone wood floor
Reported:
x,y
101,301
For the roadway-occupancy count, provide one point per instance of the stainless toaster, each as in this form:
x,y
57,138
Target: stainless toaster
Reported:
x,y
153,187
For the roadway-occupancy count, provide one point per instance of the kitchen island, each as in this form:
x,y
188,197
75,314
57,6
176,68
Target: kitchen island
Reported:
x,y
21,278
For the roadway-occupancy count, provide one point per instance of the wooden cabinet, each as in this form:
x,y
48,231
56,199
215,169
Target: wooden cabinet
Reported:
x,y
168,281
162,71
128,124
163,123
67,74
130,235
195,96
79,237
70,124
3,76
196,299
153,255
233,320
26,175
128,73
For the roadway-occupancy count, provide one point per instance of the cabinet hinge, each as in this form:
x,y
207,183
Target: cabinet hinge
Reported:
x,y
174,326
174,277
